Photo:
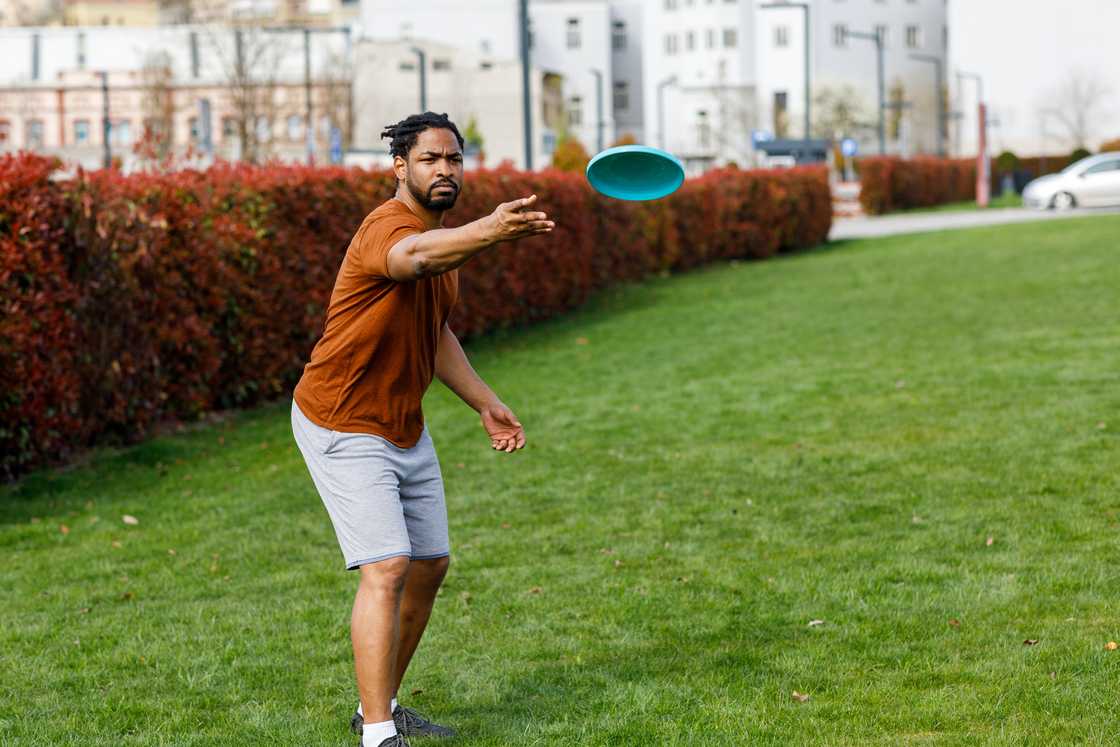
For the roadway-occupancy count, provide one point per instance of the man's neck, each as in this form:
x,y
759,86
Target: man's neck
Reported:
x,y
432,218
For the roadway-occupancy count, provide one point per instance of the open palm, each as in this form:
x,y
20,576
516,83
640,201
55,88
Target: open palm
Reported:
x,y
505,431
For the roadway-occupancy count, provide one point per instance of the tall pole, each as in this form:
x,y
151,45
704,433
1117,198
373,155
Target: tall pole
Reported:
x,y
310,126
106,128
526,97
878,39
422,60
808,97
661,109
598,108
939,74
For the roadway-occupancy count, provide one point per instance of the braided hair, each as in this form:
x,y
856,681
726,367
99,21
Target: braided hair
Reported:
x,y
403,134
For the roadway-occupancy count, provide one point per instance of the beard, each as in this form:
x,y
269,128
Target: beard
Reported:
x,y
426,198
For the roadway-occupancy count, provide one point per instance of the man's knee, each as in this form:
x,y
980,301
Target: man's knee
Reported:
x,y
430,572
385,576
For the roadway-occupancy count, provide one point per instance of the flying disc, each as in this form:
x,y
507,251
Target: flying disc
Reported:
x,y
635,172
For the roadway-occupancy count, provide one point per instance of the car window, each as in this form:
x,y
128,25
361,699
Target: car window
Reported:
x,y
1103,166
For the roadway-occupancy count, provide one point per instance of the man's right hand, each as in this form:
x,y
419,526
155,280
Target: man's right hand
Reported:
x,y
516,220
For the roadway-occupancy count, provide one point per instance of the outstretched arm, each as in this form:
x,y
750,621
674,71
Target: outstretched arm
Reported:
x,y
442,249
454,370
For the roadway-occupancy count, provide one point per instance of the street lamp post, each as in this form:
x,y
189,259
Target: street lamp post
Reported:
x,y
106,126
526,97
422,61
805,10
983,165
661,109
878,39
598,108
939,72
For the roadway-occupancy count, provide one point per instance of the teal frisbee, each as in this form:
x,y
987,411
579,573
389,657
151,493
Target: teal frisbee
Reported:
x,y
635,172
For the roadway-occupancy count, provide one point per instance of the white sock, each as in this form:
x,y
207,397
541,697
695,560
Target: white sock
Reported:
x,y
392,705
374,734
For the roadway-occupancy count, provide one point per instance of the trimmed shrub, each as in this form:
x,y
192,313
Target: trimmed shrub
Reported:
x,y
1110,146
128,301
889,183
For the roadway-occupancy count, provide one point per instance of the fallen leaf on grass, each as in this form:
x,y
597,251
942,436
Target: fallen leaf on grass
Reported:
x,y
1101,426
535,590
35,520
416,691
170,551
1030,642
116,544
465,596
989,541
607,551
83,611
582,341
1110,646
64,529
128,596
506,525
130,520
683,579
815,623
954,623
618,564
800,697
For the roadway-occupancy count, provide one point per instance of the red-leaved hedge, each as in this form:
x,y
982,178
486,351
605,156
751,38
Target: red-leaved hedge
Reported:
x,y
129,300
889,183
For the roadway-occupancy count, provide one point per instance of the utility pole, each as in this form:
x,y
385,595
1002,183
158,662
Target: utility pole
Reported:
x,y
939,73
808,98
106,127
878,39
598,108
526,94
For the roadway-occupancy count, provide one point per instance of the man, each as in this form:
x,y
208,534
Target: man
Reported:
x,y
356,412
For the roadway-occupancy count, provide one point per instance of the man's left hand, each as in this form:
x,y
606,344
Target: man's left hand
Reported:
x,y
506,433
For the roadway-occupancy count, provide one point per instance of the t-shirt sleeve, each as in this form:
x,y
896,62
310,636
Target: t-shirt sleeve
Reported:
x,y
381,234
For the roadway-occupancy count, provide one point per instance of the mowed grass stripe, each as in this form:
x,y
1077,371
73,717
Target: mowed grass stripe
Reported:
x,y
715,460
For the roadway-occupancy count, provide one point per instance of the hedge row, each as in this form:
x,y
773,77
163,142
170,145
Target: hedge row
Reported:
x,y
889,183
133,300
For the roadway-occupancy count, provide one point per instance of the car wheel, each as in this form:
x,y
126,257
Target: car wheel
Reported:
x,y
1063,201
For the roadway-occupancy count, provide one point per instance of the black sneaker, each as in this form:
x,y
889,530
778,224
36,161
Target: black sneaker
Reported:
x,y
394,741
412,724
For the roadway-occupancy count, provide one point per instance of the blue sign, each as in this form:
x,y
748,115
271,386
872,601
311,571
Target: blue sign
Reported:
x,y
849,147
336,145
761,136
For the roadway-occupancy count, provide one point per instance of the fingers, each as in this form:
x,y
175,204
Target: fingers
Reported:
x,y
525,202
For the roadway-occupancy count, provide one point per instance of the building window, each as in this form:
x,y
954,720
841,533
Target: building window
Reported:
x,y
621,95
229,128
120,132
548,143
781,115
618,36
881,30
81,51
670,4
671,44
689,40
35,39
710,38
264,129
839,35
195,133
441,65
34,136
730,38
5,133
406,66
703,130
81,132
486,65
573,33
295,127
781,36
575,111
913,37
944,37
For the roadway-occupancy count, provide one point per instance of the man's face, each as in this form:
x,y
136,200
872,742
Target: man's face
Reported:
x,y
433,172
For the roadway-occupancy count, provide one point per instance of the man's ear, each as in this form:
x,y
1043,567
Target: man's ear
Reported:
x,y
400,167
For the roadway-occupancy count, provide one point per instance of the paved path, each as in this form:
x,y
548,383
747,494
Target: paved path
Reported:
x,y
891,225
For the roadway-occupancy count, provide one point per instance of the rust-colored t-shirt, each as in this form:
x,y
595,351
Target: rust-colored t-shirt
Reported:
x,y
377,355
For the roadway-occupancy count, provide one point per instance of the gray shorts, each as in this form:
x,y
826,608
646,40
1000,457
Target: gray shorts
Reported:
x,y
384,501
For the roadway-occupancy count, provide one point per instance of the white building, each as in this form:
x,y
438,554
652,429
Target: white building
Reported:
x,y
727,67
1059,65
593,46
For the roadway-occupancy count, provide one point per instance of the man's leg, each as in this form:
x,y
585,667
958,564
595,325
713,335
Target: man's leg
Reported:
x,y
375,631
424,579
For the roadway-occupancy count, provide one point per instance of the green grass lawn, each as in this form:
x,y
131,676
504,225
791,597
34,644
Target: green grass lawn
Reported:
x,y
913,439
1006,200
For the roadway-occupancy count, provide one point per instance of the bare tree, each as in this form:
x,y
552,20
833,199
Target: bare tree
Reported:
x,y
1078,105
841,112
250,66
157,142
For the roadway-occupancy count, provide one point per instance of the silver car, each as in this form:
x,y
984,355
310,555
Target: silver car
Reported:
x,y
1091,182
